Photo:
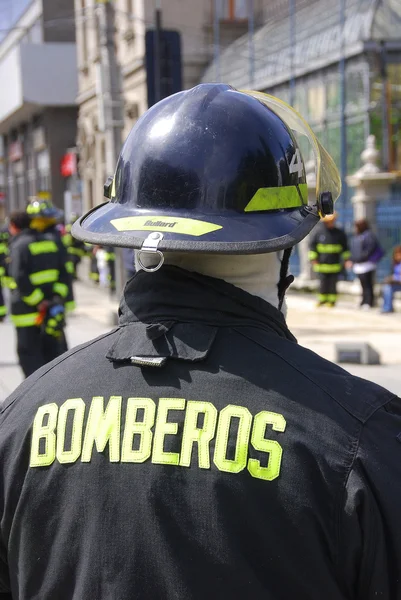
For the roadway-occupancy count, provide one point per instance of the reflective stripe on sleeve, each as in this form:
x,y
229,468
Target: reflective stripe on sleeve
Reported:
x,y
34,298
69,267
3,248
9,282
44,247
3,311
41,277
27,320
61,289
76,251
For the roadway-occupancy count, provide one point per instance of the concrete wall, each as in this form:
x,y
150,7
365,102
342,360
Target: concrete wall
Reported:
x,y
61,130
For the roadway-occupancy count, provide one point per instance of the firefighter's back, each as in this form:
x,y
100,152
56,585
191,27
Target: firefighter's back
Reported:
x,y
224,477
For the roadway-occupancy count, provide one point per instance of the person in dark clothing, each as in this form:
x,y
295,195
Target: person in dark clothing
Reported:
x,y
197,450
4,239
365,256
328,253
39,282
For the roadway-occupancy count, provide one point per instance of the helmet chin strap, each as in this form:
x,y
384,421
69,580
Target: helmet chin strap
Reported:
x,y
285,280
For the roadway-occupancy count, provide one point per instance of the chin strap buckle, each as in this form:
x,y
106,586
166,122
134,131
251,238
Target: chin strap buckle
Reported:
x,y
149,246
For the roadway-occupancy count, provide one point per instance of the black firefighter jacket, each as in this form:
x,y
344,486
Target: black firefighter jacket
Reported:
x,y
196,452
37,270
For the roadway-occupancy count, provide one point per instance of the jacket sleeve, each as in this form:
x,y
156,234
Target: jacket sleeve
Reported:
x,y
64,281
20,269
370,523
313,253
369,245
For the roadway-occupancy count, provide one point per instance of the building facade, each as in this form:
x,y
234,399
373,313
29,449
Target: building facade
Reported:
x,y
38,112
193,19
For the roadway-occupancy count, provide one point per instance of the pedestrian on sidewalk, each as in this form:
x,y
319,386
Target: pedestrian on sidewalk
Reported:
x,y
392,283
366,254
197,451
328,253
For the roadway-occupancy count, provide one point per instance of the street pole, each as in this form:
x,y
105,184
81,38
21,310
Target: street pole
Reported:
x,y
216,38
385,107
292,51
110,103
156,49
343,99
251,33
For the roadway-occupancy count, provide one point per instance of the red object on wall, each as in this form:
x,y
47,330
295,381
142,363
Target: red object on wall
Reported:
x,y
68,165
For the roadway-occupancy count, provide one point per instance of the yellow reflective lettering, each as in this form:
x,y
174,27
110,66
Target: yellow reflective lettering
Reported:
x,y
164,428
140,428
102,428
45,433
77,405
241,443
272,447
199,435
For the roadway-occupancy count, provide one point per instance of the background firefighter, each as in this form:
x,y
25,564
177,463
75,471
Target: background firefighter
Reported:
x,y
328,253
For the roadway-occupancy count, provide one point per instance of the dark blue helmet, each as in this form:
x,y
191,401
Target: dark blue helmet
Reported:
x,y
210,169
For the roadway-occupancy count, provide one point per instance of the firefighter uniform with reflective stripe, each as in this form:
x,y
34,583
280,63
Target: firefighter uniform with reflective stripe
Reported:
x,y
198,452
4,237
38,273
111,265
75,250
328,251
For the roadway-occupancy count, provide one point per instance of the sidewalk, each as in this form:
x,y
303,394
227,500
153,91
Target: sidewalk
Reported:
x,y
317,329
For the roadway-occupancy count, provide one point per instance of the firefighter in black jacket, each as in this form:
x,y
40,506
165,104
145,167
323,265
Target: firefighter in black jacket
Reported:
x,y
40,283
328,253
196,451
75,248
4,238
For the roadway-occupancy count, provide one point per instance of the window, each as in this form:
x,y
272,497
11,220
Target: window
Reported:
x,y
232,10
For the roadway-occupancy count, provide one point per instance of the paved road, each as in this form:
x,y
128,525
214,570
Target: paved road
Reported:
x,y
318,330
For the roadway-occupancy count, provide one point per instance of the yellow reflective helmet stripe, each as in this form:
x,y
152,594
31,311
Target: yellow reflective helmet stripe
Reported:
x,y
329,248
34,298
27,320
163,223
274,198
41,277
45,247
61,289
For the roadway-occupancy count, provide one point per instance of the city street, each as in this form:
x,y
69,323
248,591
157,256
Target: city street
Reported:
x,y
317,329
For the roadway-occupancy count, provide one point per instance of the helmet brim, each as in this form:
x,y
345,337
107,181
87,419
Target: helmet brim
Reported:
x,y
232,233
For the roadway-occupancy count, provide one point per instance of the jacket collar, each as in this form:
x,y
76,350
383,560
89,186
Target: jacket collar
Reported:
x,y
175,295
